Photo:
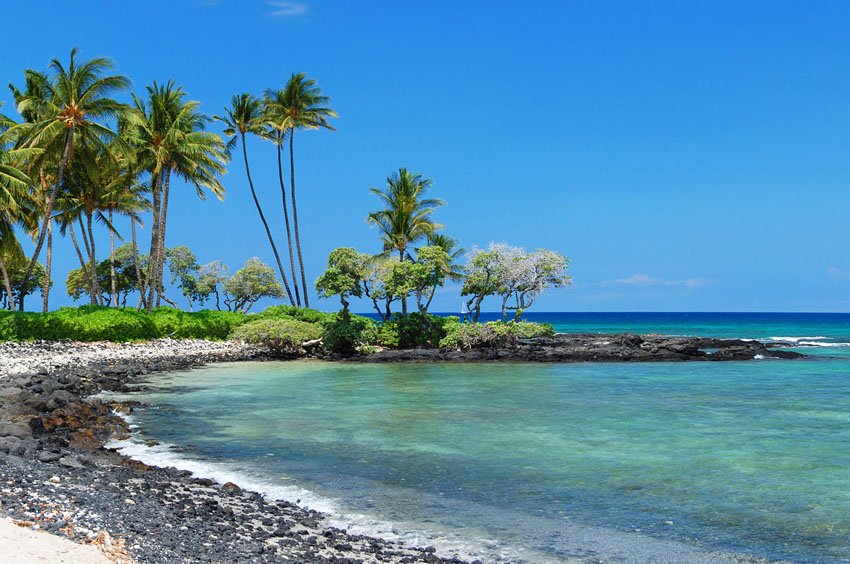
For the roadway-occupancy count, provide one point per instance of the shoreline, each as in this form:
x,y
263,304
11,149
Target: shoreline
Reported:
x,y
53,433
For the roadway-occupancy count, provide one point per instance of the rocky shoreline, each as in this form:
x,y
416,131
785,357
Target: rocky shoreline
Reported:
x,y
591,347
56,474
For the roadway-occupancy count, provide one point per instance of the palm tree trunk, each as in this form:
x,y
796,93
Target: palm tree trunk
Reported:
x,y
286,222
94,283
160,257
80,256
295,215
403,297
113,294
63,162
151,282
139,285
48,263
265,223
7,284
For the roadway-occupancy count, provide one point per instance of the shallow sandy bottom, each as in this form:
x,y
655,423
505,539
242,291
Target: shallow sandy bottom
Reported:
x,y
21,546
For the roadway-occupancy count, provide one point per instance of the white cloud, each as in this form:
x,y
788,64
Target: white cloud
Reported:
x,y
283,9
836,272
645,280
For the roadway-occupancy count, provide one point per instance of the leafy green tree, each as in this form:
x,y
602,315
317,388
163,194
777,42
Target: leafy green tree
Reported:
x,y
211,277
433,265
483,278
242,117
16,264
120,267
300,106
73,105
184,269
406,217
249,284
346,270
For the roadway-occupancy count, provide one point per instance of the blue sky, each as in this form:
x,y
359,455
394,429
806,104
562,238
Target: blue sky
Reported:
x,y
687,156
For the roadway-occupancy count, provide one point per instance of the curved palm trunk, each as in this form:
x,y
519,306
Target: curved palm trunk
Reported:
x,y
113,293
403,297
160,253
151,281
286,222
139,284
265,223
7,284
48,263
48,210
94,284
80,256
295,215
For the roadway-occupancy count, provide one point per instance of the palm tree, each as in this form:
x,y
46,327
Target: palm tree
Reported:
x,y
301,105
455,252
242,117
14,194
71,106
277,125
406,217
168,135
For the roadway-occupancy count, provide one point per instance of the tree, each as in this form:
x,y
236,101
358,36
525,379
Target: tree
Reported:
x,y
301,106
120,268
249,284
526,276
429,272
406,217
242,117
346,270
71,106
168,134
511,273
184,270
210,277
16,263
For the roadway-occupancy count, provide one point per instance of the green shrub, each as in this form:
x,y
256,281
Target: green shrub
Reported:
x,y
492,334
284,336
412,331
347,337
297,313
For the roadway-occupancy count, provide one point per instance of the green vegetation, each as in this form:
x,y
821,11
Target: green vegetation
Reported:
x,y
466,336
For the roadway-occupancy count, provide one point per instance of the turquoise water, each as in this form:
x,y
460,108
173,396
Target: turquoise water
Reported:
x,y
749,458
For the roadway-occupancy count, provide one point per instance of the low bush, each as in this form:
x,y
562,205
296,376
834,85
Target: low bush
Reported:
x,y
348,337
415,330
493,334
297,313
284,336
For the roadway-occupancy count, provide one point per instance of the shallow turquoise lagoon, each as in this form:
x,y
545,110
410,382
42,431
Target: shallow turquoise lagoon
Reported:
x,y
741,457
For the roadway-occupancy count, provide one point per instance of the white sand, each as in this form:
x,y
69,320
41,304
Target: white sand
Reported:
x,y
19,545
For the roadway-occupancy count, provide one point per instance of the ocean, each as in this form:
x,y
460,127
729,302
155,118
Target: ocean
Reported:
x,y
665,462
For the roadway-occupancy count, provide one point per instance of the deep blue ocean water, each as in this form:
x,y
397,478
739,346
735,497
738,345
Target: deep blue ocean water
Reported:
x,y
637,462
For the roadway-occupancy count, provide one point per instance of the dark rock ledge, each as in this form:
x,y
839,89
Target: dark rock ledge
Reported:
x,y
590,347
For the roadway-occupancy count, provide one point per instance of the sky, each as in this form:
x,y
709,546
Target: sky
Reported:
x,y
686,156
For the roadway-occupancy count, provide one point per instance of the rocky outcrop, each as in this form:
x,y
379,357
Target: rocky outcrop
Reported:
x,y
588,347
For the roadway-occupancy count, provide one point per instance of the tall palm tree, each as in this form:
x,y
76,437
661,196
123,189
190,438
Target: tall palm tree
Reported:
x,y
14,194
406,217
168,135
242,117
73,105
277,127
300,106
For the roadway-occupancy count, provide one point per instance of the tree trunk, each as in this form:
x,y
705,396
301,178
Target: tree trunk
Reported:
x,y
139,284
404,297
265,223
295,215
48,263
48,211
286,222
151,278
163,218
7,284
80,256
505,309
113,293
94,283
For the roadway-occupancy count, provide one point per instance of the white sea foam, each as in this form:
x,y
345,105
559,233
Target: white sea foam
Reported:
x,y
448,544
758,357
817,341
